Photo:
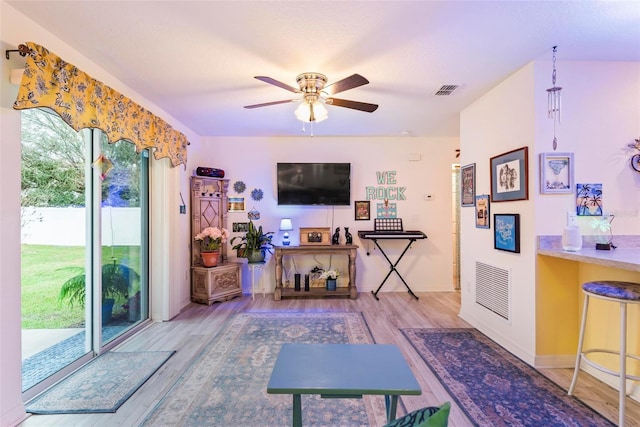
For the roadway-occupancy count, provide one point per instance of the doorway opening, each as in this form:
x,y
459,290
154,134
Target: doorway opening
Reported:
x,y
455,222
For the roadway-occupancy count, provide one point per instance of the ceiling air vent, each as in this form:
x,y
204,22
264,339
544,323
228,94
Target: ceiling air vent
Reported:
x,y
446,90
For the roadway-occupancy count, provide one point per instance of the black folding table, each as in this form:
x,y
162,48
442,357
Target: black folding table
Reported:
x,y
382,234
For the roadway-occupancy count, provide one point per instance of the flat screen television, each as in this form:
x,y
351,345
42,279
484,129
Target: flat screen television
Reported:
x,y
314,184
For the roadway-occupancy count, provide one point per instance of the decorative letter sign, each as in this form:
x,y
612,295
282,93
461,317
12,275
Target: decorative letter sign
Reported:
x,y
383,191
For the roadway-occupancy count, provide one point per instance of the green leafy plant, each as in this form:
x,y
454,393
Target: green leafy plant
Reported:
x,y
117,281
254,240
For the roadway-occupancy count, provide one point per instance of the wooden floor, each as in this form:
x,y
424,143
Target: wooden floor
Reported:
x,y
190,331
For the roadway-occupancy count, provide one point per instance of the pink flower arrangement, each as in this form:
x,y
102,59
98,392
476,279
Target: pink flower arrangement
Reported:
x,y
211,238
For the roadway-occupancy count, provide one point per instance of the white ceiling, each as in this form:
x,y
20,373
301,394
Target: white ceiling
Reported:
x,y
197,59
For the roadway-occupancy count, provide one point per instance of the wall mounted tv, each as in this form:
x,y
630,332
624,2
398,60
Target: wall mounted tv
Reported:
x,y
326,184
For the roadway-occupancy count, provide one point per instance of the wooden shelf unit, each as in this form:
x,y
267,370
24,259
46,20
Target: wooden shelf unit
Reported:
x,y
343,250
209,209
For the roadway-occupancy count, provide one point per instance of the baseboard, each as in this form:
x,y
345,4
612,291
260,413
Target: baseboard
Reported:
x,y
15,415
501,340
555,361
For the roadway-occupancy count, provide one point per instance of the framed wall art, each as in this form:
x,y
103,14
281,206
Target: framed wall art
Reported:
x,y
589,200
362,210
386,210
235,204
506,234
468,185
240,227
509,176
556,173
482,211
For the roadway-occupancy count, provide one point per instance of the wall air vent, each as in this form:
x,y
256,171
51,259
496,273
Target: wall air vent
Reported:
x,y
493,289
446,90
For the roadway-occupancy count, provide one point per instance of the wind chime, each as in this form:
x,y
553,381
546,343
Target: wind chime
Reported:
x,y
553,100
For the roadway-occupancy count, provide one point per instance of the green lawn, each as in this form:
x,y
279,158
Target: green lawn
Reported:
x,y
44,270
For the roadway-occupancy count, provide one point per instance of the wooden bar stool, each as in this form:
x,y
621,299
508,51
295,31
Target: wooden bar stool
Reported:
x,y
623,293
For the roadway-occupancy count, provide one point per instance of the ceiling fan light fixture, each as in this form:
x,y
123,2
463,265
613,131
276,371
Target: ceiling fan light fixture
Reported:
x,y
315,95
304,112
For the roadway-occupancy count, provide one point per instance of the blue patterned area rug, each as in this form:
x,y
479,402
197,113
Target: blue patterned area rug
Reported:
x,y
494,387
49,361
227,383
101,385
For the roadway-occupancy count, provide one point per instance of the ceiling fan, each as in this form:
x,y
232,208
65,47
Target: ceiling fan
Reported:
x,y
315,93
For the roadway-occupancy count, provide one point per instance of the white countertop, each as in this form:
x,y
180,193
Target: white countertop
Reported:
x,y
626,256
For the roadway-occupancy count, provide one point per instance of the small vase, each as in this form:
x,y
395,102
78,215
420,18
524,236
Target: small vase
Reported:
x,y
210,259
331,284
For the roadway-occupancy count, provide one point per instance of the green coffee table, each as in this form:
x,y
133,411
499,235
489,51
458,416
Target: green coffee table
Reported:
x,y
342,371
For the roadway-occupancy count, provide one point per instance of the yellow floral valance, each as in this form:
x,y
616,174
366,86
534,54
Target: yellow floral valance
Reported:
x,y
84,102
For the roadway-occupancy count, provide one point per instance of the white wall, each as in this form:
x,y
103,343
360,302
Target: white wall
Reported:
x,y
426,267
500,121
601,115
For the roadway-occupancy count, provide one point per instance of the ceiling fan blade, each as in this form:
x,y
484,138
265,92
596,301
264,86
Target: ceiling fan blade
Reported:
x,y
346,84
277,83
266,104
355,105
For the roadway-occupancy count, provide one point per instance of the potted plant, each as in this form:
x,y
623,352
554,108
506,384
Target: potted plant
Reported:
x,y
211,239
255,243
331,276
117,282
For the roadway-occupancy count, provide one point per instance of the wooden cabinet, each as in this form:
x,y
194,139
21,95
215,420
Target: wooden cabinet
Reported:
x,y
348,250
209,209
211,284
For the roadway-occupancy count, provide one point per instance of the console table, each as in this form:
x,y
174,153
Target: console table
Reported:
x,y
349,250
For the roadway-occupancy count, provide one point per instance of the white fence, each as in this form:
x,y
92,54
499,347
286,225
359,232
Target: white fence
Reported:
x,y
66,226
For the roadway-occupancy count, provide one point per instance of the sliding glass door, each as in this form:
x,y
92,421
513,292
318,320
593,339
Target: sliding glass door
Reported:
x,y
55,333
123,208
84,245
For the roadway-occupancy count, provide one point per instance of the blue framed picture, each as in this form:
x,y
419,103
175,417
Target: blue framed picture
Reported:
x,y
506,235
589,200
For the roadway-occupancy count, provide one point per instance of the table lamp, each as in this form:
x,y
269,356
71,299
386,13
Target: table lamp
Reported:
x,y
286,225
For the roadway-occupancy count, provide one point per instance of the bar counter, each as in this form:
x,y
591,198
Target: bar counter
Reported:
x,y
559,297
626,256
